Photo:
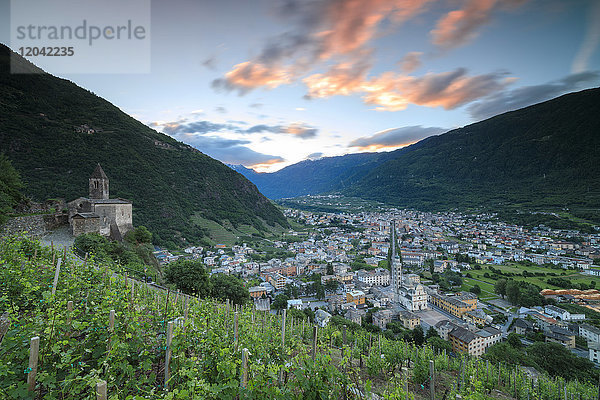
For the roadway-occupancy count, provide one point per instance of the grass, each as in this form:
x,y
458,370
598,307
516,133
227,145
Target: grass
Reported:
x,y
572,276
216,232
487,290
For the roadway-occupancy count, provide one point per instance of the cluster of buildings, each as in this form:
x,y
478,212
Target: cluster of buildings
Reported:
x,y
335,246
558,325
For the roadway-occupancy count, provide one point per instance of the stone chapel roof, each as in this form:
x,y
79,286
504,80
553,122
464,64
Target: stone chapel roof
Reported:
x,y
99,173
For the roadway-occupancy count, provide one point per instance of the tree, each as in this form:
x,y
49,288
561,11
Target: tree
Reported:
x,y
10,186
189,276
557,360
431,333
280,302
329,269
440,344
513,292
475,289
418,336
317,288
332,285
514,340
504,353
141,234
92,243
500,287
291,291
228,287
429,265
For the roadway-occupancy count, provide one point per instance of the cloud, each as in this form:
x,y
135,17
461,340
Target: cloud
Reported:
x,y
247,76
227,150
301,130
221,109
298,129
314,156
342,79
181,126
263,128
321,30
591,40
527,95
411,61
256,105
394,92
395,137
460,26
335,37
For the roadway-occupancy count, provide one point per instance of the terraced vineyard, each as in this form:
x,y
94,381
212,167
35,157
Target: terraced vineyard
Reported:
x,y
102,335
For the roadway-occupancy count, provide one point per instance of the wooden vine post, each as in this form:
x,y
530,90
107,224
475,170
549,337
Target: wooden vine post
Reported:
x,y
34,351
235,330
69,311
244,380
111,327
314,343
405,375
283,330
185,312
101,390
111,321
56,274
431,380
168,353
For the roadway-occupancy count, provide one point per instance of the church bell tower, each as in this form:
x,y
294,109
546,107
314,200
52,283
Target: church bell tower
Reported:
x,y
99,184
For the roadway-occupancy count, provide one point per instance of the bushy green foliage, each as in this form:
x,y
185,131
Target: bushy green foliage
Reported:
x,y
139,235
224,287
523,293
10,187
134,255
167,181
557,360
189,276
475,289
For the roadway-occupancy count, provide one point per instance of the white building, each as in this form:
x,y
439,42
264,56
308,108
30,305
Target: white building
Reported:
x,y
490,336
594,352
590,333
378,277
413,297
563,315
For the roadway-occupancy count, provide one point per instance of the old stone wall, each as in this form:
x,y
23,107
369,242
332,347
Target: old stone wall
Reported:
x,y
34,225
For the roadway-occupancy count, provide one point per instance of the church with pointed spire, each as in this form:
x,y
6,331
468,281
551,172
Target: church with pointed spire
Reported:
x,y
98,212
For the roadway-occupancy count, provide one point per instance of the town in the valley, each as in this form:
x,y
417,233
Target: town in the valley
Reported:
x,y
471,278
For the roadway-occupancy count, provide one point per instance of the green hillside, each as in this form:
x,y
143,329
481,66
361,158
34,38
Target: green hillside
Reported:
x,y
166,180
543,157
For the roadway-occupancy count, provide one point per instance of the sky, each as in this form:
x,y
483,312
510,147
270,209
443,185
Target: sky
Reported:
x,y
268,83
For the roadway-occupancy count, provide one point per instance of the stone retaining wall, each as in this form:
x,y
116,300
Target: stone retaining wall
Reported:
x,y
34,225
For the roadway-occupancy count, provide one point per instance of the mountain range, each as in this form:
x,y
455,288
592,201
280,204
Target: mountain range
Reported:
x,y
55,133
542,157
